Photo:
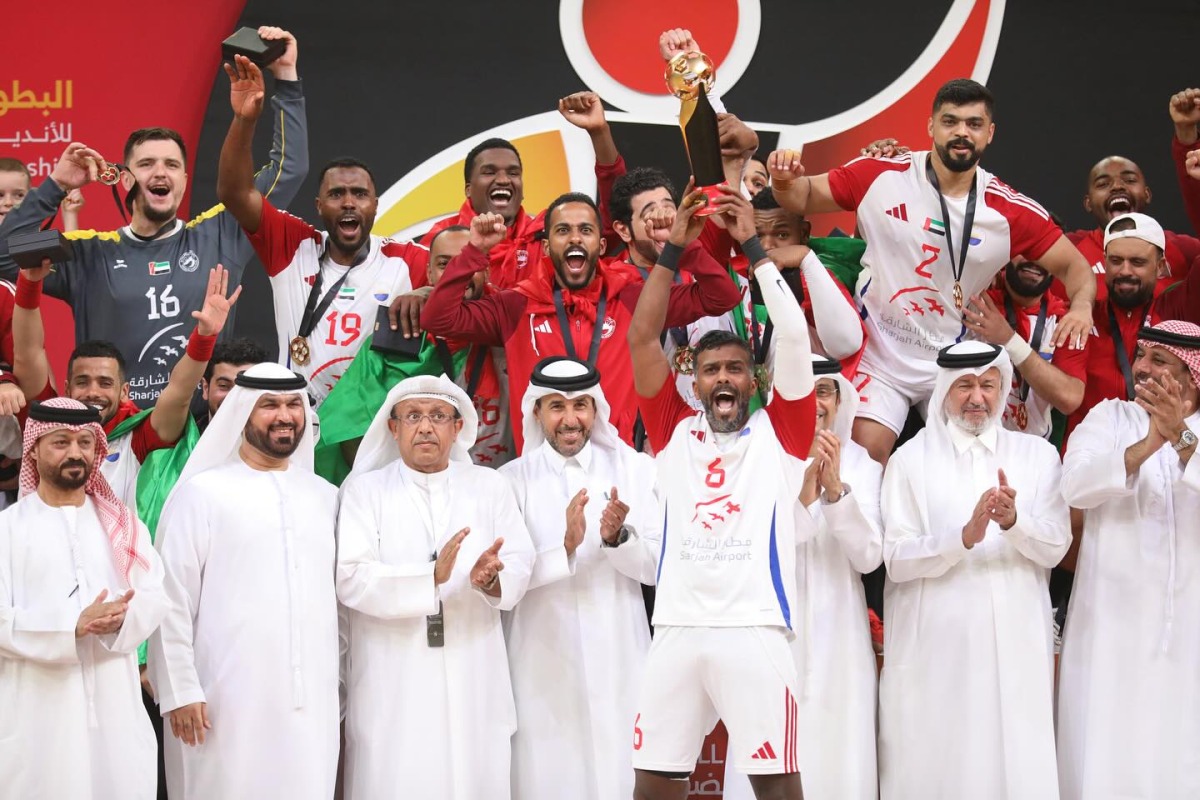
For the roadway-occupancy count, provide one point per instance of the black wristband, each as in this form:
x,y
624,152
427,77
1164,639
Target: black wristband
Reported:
x,y
753,250
669,257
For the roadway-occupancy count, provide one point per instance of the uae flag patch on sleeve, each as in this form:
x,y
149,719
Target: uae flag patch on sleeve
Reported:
x,y
160,267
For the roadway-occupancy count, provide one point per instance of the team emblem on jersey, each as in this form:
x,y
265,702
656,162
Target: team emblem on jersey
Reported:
x,y
610,327
160,267
685,359
522,258
120,264
381,297
112,457
189,261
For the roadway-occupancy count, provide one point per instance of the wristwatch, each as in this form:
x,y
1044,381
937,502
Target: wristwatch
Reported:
x,y
623,534
1186,440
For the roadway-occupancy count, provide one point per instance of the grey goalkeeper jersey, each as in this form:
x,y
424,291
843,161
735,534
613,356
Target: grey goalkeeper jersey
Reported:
x,y
140,295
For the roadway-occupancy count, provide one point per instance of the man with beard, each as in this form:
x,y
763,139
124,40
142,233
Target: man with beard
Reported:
x,y
973,520
572,304
228,359
578,639
106,281
495,184
1020,315
478,369
98,376
1129,698
938,229
80,589
431,548
839,539
730,481
245,666
326,286
1117,186
1134,250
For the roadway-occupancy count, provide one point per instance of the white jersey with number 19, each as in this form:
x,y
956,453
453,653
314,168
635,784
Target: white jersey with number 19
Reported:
x,y
728,547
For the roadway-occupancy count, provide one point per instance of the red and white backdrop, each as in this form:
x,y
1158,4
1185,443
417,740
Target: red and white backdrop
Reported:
x,y
410,87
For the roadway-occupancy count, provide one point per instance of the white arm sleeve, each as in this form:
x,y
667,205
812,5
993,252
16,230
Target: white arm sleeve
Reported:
x,y
837,323
793,358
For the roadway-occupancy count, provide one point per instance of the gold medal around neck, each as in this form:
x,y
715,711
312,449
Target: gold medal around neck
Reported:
x,y
685,359
300,351
958,296
1022,415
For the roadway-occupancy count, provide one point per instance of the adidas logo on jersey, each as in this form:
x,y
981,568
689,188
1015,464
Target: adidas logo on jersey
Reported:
x,y
543,327
900,212
765,753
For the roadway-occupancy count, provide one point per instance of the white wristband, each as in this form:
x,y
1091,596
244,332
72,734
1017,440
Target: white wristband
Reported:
x,y
1018,349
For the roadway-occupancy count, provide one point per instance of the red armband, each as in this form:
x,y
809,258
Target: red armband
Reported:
x,y
200,347
29,293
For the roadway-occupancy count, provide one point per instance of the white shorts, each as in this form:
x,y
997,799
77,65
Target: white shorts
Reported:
x,y
887,400
695,676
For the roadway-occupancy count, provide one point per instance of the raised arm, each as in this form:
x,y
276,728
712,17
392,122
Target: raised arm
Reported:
x,y
797,192
584,110
485,320
171,409
1185,115
31,366
235,175
650,367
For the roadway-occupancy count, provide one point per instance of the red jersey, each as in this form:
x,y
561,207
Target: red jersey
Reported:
x,y
1105,379
524,320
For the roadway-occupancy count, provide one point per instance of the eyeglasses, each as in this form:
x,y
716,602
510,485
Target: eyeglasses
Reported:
x,y
826,392
437,418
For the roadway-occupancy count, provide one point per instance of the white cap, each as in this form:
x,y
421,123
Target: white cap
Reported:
x,y
1144,227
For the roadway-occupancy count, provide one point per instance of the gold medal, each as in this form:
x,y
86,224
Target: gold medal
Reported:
x,y
958,296
299,350
763,379
109,174
1022,415
685,359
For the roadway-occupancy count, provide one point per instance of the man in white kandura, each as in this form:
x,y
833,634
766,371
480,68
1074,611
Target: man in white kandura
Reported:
x,y
245,666
431,548
1129,688
838,539
80,589
577,642
973,522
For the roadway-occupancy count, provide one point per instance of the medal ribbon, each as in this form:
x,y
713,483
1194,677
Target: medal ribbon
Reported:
x,y
968,224
1035,340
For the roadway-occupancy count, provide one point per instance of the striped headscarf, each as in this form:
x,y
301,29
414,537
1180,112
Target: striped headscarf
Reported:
x,y
115,517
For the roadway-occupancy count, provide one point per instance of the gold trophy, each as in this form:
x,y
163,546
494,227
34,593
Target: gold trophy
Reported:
x,y
689,77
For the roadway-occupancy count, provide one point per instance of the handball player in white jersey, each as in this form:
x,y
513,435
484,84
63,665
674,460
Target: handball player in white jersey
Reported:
x,y
938,228
726,584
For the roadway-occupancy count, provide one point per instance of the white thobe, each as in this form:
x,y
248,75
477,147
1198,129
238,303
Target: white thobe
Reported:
x,y
72,723
836,544
1129,678
579,638
249,557
965,698
427,721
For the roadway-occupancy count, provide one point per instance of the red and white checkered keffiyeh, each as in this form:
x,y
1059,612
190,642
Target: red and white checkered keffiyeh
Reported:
x,y
115,516
1188,355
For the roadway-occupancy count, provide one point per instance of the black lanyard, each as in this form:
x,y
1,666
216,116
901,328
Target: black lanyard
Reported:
x,y
565,328
1123,360
968,224
476,371
1035,341
760,348
312,309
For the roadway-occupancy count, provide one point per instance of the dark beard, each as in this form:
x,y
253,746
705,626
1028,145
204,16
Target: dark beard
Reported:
x,y
561,272
1022,287
1127,302
733,425
59,479
953,164
261,441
